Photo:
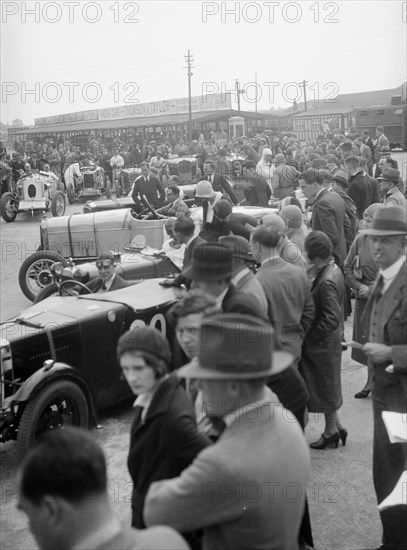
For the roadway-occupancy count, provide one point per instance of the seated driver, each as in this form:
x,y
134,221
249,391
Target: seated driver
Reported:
x,y
108,279
176,207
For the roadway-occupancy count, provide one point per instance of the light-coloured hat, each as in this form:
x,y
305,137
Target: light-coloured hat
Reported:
x,y
389,220
203,190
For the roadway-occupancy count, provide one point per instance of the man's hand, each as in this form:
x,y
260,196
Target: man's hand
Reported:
x,y
363,291
167,283
378,353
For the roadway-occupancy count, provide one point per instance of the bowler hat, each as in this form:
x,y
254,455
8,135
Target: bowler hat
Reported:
x,y
391,174
389,220
385,151
235,346
239,246
210,262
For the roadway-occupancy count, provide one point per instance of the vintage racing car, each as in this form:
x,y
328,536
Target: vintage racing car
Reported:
x,y
58,358
188,171
127,177
37,192
85,182
83,237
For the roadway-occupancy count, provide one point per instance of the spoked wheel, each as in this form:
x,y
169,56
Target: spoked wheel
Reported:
x,y
35,272
58,204
60,403
8,207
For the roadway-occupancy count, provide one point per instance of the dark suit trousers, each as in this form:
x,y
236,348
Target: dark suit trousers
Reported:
x,y
389,459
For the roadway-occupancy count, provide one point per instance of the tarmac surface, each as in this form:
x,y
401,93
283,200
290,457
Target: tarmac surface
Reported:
x,y
342,501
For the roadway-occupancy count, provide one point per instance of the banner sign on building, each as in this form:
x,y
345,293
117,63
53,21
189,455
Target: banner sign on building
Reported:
x,y
210,102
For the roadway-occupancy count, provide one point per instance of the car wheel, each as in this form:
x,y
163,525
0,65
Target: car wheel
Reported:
x,y
60,403
46,292
7,207
58,204
108,190
70,193
35,272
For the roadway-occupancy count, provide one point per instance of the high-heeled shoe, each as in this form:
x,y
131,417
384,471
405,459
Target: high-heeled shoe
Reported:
x,y
323,442
362,394
343,434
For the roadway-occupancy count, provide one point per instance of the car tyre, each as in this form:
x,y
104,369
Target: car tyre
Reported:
x,y
35,272
70,193
59,403
46,292
58,204
108,190
6,207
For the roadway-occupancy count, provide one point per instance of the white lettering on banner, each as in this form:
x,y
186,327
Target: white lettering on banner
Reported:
x,y
92,93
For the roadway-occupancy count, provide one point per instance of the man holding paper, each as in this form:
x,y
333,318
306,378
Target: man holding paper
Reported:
x,y
386,350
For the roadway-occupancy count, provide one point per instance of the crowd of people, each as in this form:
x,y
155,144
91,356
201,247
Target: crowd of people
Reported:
x,y
217,435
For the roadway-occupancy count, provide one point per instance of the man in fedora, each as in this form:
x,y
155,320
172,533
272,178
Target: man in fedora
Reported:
x,y
243,278
385,316
389,181
236,490
211,271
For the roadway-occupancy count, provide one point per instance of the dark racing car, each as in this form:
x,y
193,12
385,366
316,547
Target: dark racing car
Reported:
x,y
58,358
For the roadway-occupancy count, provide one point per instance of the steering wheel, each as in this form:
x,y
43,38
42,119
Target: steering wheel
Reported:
x,y
73,284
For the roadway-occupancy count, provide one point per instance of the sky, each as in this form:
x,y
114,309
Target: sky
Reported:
x,y
81,55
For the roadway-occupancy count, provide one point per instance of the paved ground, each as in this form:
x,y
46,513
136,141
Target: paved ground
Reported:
x,y
342,502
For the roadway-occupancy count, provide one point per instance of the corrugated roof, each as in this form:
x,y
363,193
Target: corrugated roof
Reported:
x,y
159,120
325,112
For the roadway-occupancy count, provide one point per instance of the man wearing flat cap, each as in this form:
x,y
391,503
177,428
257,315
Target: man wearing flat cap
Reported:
x,y
389,181
236,490
386,350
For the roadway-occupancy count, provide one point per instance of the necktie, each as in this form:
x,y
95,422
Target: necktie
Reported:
x,y
138,410
377,293
218,425
104,287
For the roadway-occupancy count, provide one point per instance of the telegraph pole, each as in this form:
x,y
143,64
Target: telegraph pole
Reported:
x,y
238,93
303,85
189,60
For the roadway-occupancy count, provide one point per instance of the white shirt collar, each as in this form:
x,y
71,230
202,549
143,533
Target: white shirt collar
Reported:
x,y
95,539
144,399
219,299
392,271
109,282
190,241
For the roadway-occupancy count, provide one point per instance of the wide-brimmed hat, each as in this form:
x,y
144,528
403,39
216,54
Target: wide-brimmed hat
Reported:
x,y
389,220
239,246
234,346
210,262
390,174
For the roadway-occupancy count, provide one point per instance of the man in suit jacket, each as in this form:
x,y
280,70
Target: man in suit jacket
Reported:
x,y
63,491
184,233
328,213
243,278
386,349
108,279
148,187
290,305
211,271
389,182
234,490
360,191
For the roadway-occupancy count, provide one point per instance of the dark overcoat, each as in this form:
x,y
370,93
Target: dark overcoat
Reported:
x,y
164,444
322,349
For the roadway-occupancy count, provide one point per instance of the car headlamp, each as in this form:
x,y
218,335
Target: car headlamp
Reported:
x,y
57,268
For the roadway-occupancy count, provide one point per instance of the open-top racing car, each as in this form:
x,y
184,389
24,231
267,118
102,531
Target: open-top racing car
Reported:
x,y
35,192
58,361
